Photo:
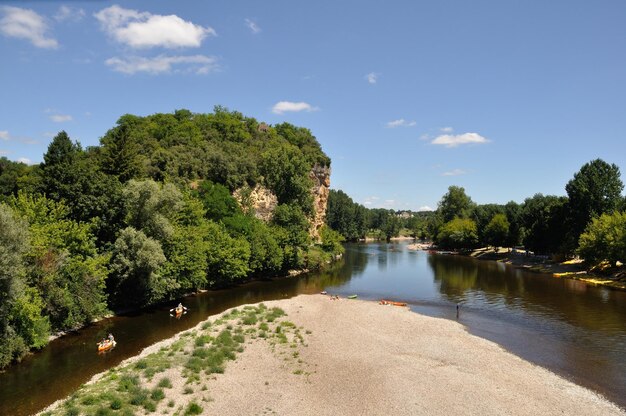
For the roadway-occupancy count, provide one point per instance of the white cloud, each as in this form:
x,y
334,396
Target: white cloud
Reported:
x,y
25,160
400,123
367,203
199,64
372,77
4,152
69,13
4,135
146,30
26,24
454,140
60,118
446,129
454,172
425,208
254,28
289,106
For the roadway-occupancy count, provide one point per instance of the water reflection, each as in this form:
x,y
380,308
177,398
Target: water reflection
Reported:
x,y
576,330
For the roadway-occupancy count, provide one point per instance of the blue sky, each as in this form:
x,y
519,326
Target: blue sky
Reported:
x,y
505,98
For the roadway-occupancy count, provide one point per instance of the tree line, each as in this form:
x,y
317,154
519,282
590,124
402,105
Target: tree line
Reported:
x,y
589,221
148,216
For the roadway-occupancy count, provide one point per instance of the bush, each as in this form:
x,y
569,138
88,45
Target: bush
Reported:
x,y
193,409
165,383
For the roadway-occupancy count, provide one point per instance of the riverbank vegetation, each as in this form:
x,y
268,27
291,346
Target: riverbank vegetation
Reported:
x,y
590,221
148,216
173,377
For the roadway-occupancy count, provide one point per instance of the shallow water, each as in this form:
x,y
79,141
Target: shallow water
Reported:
x,y
576,330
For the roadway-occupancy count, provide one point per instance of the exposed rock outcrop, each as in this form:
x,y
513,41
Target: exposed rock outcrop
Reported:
x,y
320,176
261,201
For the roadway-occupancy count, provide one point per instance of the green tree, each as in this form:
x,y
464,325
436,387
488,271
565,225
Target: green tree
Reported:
x,y
64,264
594,190
458,233
152,208
136,260
120,153
543,218
497,231
14,243
266,256
604,239
227,257
217,201
285,170
455,204
346,216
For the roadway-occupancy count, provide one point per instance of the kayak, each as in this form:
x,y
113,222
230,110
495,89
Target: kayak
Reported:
x,y
106,345
390,302
352,297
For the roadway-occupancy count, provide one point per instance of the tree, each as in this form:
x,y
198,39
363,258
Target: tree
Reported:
x,y
346,216
543,218
64,263
497,231
14,242
455,203
482,215
458,233
286,172
68,174
604,239
227,257
595,189
119,153
136,260
217,201
513,215
151,207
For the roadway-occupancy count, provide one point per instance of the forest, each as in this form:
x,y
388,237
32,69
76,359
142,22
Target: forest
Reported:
x,y
148,216
590,221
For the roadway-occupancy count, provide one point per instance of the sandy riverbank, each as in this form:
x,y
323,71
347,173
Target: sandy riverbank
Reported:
x,y
353,358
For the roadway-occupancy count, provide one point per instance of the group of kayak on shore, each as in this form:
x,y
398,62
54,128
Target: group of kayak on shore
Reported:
x,y
109,342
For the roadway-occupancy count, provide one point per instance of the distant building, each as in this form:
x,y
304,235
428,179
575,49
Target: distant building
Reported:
x,y
404,214
263,127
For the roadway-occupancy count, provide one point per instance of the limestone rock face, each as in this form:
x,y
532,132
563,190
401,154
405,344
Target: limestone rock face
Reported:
x,y
259,199
320,176
262,202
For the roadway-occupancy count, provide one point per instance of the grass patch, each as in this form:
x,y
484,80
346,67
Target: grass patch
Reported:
x,y
188,390
206,325
116,403
204,339
165,383
193,409
141,364
157,395
127,383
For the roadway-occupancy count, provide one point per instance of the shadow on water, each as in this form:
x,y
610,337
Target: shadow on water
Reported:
x,y
576,330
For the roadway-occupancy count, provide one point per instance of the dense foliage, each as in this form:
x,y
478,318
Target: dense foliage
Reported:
x,y
148,216
589,221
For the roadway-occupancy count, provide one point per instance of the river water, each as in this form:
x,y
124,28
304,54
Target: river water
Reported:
x,y
567,326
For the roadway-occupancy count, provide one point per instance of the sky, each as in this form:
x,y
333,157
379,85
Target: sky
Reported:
x,y
504,98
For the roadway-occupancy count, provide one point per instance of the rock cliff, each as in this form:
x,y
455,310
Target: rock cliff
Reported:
x,y
261,201
320,176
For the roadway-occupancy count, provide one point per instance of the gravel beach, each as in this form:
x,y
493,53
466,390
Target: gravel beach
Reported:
x,y
361,358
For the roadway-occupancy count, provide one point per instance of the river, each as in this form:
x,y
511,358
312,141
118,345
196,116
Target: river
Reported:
x,y
567,326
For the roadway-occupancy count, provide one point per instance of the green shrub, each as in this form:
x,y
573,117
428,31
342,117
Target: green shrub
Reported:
x,y
141,364
157,394
72,411
165,383
193,409
116,403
